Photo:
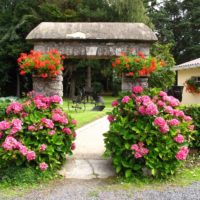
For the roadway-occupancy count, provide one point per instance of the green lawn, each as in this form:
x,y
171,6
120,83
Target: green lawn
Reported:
x,y
84,117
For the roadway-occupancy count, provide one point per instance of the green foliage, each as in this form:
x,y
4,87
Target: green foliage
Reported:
x,y
134,9
177,22
4,102
164,78
38,133
194,112
137,145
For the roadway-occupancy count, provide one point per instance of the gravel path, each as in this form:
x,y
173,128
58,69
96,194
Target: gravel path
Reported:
x,y
98,189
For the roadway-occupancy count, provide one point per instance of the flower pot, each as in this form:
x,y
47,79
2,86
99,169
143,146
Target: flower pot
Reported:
x,y
48,86
129,82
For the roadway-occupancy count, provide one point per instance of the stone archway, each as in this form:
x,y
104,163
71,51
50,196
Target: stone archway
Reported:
x,y
91,40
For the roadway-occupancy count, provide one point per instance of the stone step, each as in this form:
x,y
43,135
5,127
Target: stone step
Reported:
x,y
87,169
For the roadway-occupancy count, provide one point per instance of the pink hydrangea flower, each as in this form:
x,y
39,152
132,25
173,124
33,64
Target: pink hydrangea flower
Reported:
x,y
174,102
164,129
55,99
178,113
74,122
187,118
138,155
182,153
161,103
67,130
31,128
191,127
43,166
59,118
159,121
23,150
133,96
115,103
173,122
137,89
24,114
110,118
151,109
14,107
141,144
4,125
30,155
138,100
125,99
162,94
169,109
135,147
40,105
166,98
10,143
139,149
73,146
51,132
17,124
179,139
146,100
43,147
142,110
47,122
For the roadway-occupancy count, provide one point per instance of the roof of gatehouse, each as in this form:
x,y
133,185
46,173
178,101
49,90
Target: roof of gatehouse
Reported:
x,y
92,31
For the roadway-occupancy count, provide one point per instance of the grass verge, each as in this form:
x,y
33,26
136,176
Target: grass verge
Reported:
x,y
15,181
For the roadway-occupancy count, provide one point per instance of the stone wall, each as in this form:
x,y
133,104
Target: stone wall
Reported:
x,y
48,86
89,49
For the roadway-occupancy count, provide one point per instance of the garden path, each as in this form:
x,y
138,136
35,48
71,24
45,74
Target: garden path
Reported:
x,y
87,161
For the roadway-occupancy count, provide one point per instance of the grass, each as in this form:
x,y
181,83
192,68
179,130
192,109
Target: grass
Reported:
x,y
87,116
15,181
186,175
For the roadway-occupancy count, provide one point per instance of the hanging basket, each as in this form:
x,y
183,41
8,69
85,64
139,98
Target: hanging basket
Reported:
x,y
48,86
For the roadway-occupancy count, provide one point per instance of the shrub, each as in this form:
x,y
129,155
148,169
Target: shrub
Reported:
x,y
36,132
194,112
148,135
4,102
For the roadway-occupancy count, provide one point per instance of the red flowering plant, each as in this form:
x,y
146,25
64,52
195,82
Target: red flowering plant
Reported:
x,y
42,64
192,86
136,65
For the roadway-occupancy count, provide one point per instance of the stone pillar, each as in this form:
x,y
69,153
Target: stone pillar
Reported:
x,y
129,82
48,86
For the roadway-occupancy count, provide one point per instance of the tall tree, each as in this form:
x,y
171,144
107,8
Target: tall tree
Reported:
x,y
130,11
177,21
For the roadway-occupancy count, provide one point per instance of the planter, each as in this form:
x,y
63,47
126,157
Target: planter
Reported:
x,y
129,82
48,86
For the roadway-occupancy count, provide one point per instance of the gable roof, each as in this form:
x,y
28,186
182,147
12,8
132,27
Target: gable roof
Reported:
x,y
92,31
187,65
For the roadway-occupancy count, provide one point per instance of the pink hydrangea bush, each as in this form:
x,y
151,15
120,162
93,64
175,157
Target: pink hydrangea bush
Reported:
x,y
147,132
36,132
